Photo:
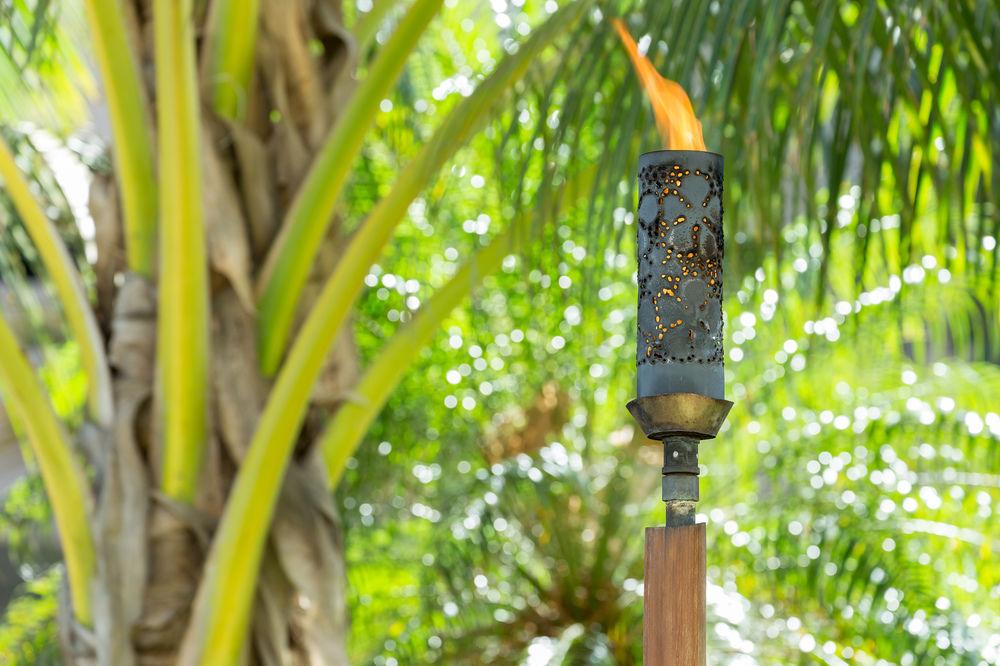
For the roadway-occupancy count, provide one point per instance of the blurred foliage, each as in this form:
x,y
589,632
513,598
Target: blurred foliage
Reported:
x,y
28,628
44,76
851,499
25,526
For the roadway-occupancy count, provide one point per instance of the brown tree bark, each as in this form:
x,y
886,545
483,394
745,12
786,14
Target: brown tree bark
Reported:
x,y
151,550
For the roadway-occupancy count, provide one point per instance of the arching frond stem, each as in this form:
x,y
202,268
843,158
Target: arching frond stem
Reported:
x,y
62,474
133,144
182,326
229,59
68,287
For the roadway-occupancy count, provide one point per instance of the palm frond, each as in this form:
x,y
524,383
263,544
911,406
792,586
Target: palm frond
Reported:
x,y
366,25
345,430
843,116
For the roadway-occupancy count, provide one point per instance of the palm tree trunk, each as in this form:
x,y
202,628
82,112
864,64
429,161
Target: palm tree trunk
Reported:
x,y
151,549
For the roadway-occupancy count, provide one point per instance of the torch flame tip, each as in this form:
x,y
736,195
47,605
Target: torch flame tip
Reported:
x,y
675,119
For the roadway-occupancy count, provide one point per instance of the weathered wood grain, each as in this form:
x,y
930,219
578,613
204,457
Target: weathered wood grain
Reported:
x,y
674,596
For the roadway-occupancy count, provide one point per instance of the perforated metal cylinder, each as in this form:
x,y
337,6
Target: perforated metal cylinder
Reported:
x,y
679,252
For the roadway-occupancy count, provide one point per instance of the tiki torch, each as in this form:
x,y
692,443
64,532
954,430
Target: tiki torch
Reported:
x,y
680,388
679,382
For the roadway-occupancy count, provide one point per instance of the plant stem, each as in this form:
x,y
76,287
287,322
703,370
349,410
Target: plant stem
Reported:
x,y
68,287
182,332
62,475
230,49
133,145
345,431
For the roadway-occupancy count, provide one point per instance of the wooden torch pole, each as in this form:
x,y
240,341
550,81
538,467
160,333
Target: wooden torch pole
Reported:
x,y
673,622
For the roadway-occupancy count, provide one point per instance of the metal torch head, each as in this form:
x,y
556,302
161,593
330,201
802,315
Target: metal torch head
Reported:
x,y
679,251
679,377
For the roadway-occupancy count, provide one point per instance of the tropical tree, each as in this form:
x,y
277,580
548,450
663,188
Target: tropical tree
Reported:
x,y
224,399
216,225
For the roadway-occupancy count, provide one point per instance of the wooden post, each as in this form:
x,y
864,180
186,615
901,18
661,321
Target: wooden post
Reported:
x,y
673,626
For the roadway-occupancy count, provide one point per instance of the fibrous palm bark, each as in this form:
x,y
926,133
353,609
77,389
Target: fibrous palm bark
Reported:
x,y
152,549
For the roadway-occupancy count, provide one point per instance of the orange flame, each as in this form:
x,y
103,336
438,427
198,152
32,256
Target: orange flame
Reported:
x,y
675,120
